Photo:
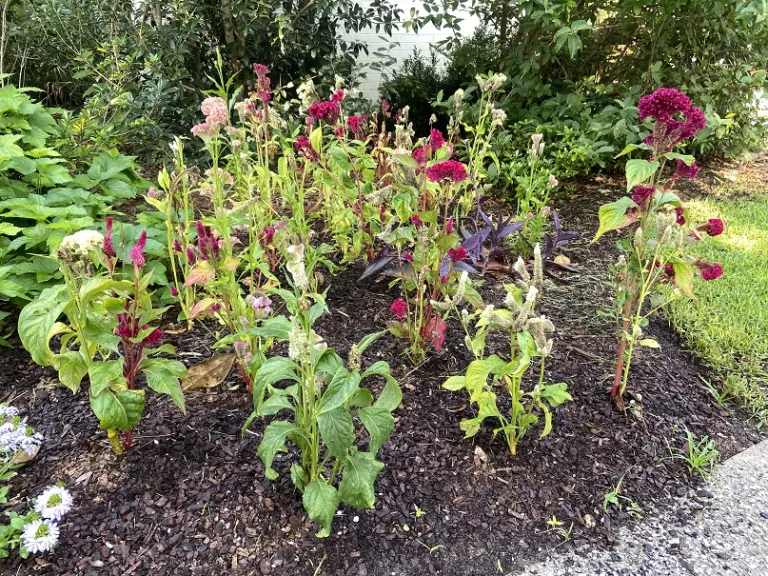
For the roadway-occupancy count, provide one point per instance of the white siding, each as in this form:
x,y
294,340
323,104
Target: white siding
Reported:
x,y
407,41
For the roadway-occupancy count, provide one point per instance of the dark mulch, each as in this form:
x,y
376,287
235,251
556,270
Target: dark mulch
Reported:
x,y
191,498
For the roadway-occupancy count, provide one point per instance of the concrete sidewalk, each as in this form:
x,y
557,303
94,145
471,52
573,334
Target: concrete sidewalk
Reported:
x,y
723,530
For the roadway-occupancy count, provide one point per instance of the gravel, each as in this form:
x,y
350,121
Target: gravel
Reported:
x,y
720,529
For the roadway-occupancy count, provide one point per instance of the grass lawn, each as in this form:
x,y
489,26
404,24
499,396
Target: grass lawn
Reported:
x,y
727,326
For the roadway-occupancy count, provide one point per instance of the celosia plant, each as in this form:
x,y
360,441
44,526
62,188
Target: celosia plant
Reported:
x,y
657,233
109,334
326,400
529,338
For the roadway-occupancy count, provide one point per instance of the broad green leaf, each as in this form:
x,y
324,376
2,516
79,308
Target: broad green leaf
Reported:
x,y
478,372
275,436
8,148
454,383
274,404
639,171
342,386
391,396
118,410
368,340
72,369
361,398
321,501
356,487
337,431
649,343
163,375
556,394
277,327
379,422
613,215
272,371
37,320
105,375
687,158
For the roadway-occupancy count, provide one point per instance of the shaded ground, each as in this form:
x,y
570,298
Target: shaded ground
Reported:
x,y
191,497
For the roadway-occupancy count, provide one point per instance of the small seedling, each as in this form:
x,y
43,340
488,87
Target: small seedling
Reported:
x,y
431,549
557,527
418,512
620,501
701,456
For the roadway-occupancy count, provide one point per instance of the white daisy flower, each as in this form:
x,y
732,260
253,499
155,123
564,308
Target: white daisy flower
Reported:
x,y
40,536
54,502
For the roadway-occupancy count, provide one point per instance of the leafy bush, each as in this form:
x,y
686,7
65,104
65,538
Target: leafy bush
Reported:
x,y
41,201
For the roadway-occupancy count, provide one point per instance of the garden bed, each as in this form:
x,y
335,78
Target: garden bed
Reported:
x,y
191,498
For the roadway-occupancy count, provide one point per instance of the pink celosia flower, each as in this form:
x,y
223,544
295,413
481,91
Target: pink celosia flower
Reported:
x,y
137,252
399,308
216,307
643,196
205,131
356,124
680,212
416,221
267,235
385,108
666,106
107,247
685,171
407,256
663,104
328,111
457,254
711,271
339,131
449,224
436,139
177,246
337,96
215,111
174,291
449,170
191,255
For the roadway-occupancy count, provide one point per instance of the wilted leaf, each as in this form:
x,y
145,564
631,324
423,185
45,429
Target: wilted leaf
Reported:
x,y
208,373
563,260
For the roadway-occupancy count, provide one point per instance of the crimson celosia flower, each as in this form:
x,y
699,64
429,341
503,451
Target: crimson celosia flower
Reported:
x,y
680,212
215,307
420,155
667,106
304,148
177,246
407,256
385,108
449,224
107,247
643,196
191,255
399,308
415,220
337,96
174,291
663,104
436,139
711,271
714,227
137,252
685,171
267,235
457,254
154,337
339,131
449,170
356,124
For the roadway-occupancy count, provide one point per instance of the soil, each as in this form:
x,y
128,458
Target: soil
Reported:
x,y
190,497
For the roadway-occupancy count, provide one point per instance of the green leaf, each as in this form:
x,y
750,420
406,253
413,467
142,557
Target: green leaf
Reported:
x,y
37,320
337,431
277,327
639,171
118,410
687,158
454,383
649,343
72,369
368,340
613,215
684,278
356,486
275,436
8,148
478,372
105,375
321,501
556,394
379,422
274,370
163,377
274,404
342,386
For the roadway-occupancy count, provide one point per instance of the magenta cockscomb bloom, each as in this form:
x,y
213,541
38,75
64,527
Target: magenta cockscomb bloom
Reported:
x,y
328,111
420,155
642,196
449,225
416,221
304,148
663,104
177,246
267,235
436,139
713,227
174,292
339,131
457,254
137,252
337,96
155,337
191,255
356,124
449,170
215,307
260,69
711,271
399,308
680,213
685,171
407,256
107,247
